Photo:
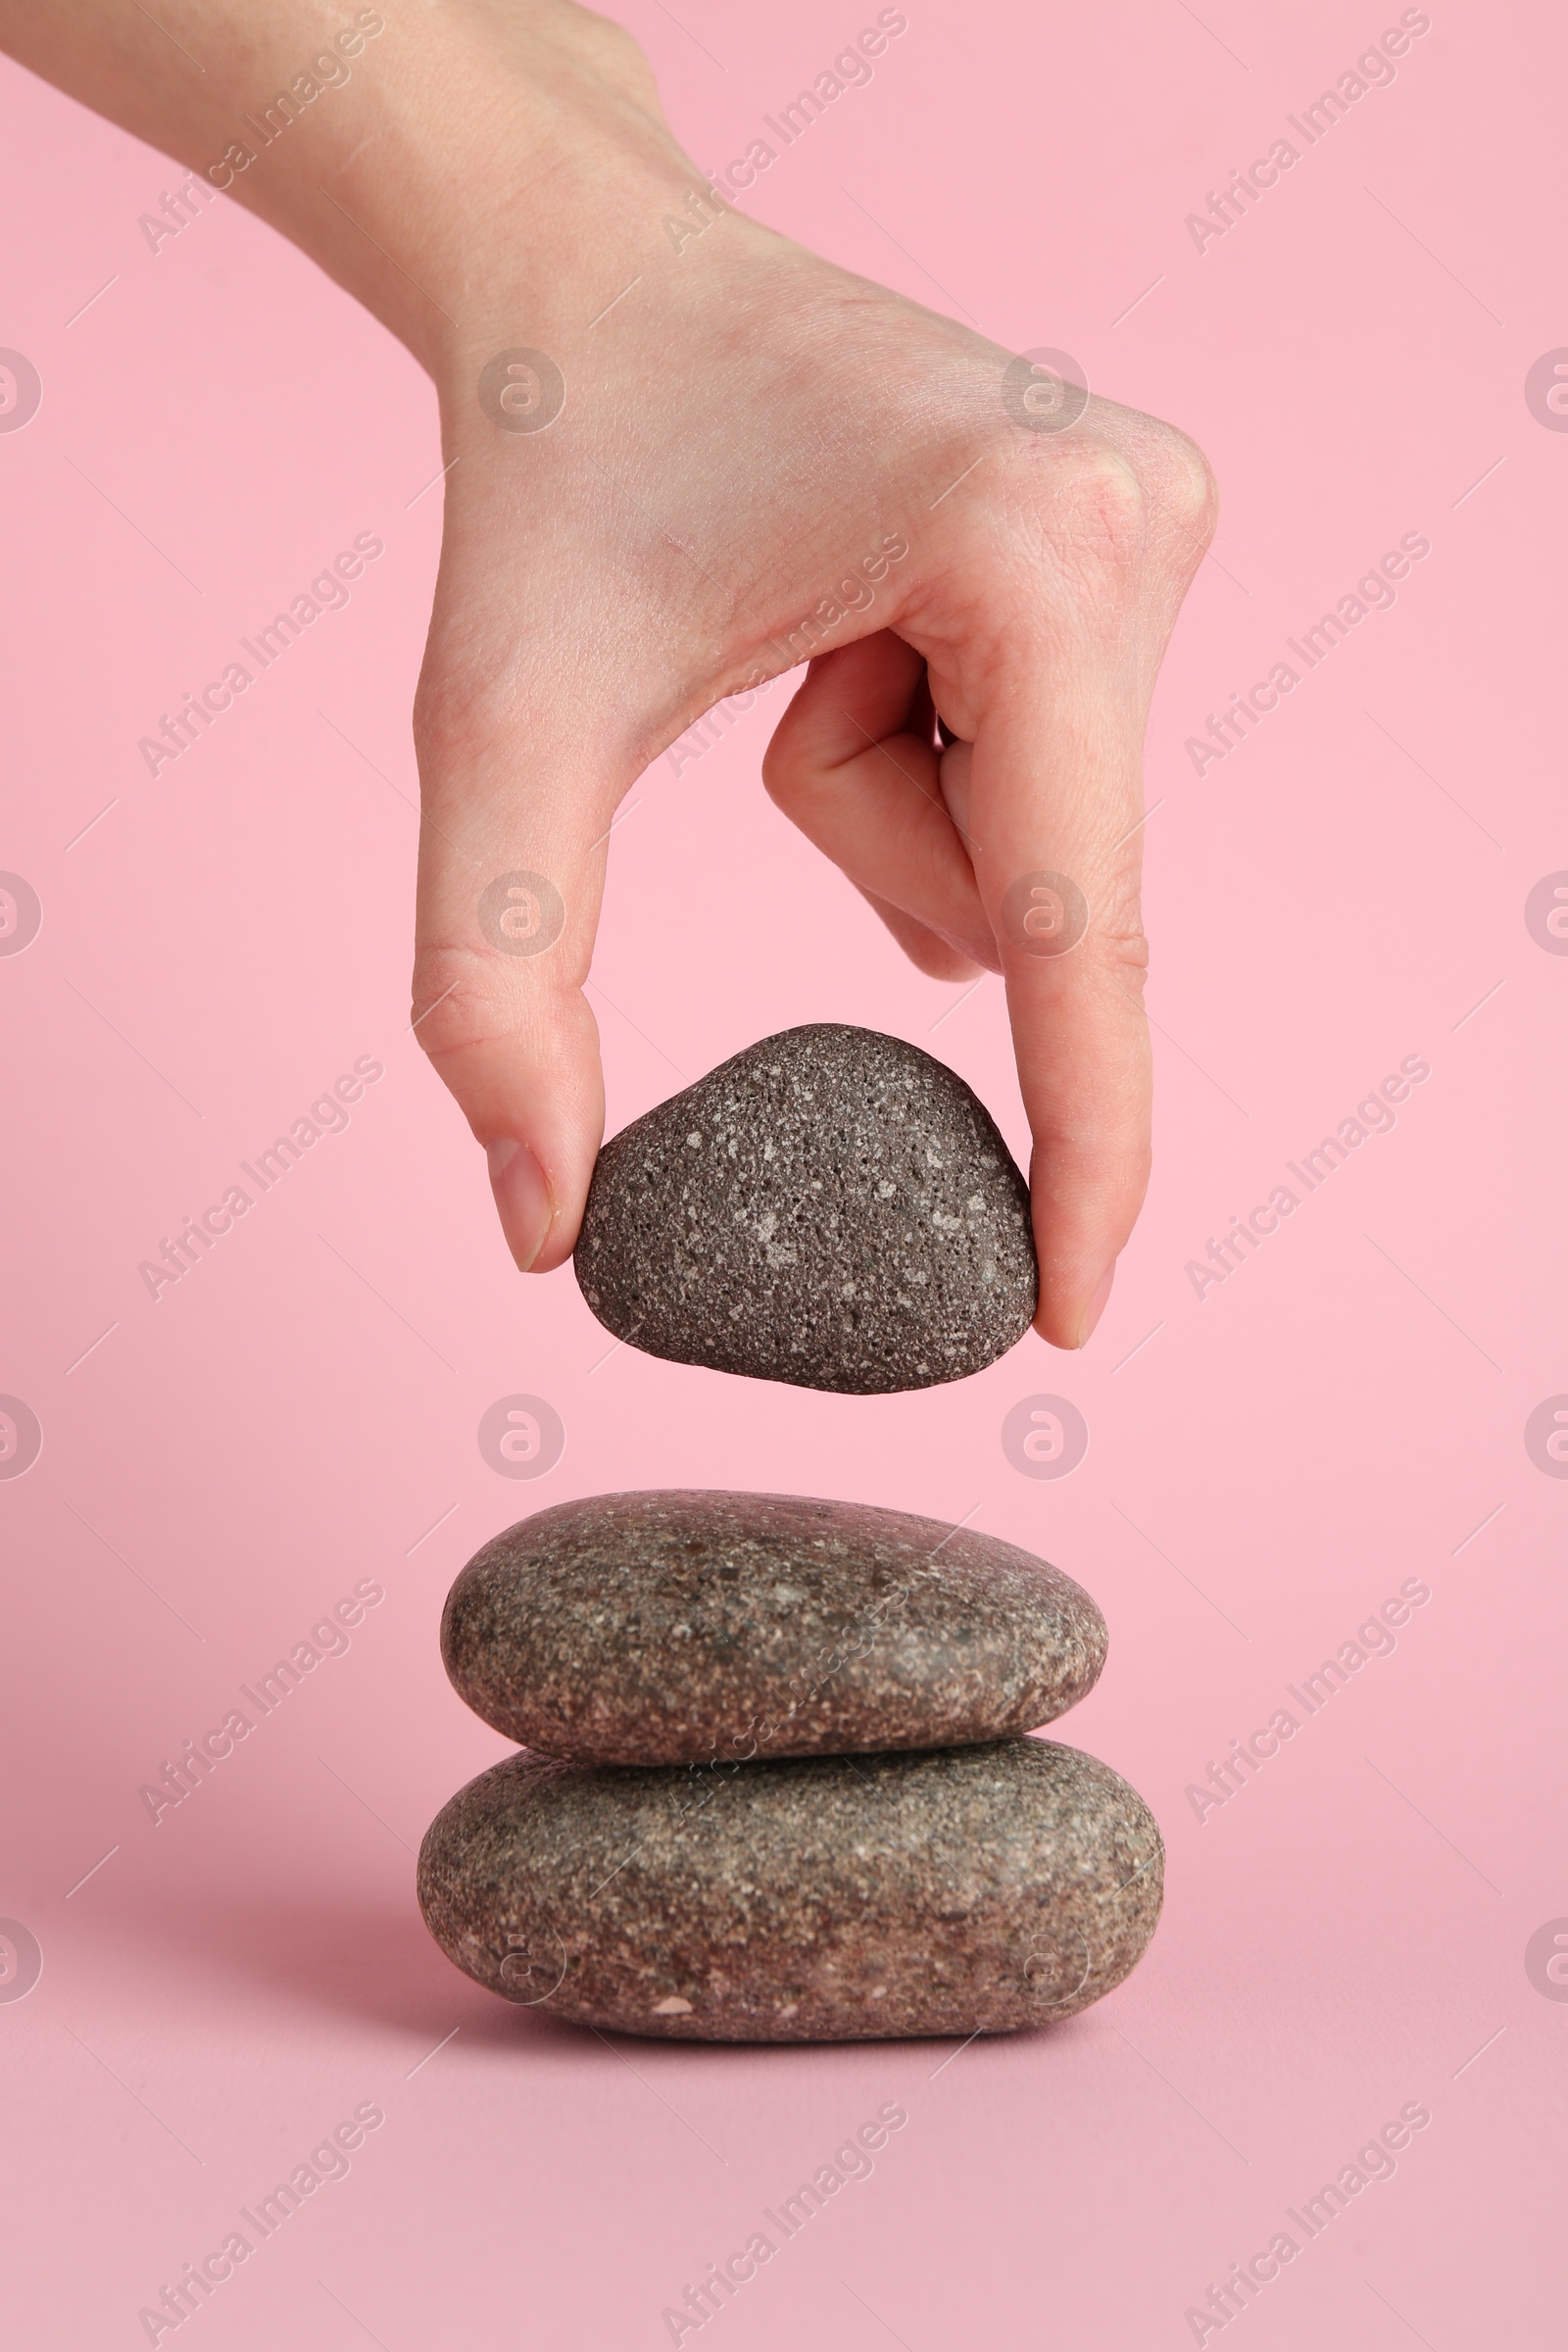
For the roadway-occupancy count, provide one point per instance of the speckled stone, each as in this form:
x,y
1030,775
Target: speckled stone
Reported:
x,y
673,1628
815,1898
832,1208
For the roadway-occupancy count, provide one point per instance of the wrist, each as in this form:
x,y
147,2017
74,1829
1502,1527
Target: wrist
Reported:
x,y
480,179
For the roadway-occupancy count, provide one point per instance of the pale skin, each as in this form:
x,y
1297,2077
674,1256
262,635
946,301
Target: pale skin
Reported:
x,y
737,433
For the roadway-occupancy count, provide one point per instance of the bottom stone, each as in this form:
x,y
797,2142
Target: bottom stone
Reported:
x,y
812,1898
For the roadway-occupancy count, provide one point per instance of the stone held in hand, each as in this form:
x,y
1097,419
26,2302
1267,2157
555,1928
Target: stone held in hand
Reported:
x,y
831,1208
693,1627
812,1898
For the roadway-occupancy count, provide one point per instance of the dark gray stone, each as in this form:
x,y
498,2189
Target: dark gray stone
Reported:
x,y
832,1208
673,1628
816,1898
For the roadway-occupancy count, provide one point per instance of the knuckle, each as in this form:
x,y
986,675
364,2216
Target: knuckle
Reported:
x,y
1119,942
1085,526
457,716
1125,955
1104,505
795,779
780,773
1183,486
457,1003
1118,511
616,50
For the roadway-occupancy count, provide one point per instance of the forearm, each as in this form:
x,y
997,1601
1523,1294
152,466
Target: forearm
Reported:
x,y
450,166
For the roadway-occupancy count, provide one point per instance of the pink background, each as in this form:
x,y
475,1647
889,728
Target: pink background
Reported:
x,y
1340,1939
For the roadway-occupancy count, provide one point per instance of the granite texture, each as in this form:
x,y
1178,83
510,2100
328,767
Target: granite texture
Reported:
x,y
674,1627
831,1208
814,1899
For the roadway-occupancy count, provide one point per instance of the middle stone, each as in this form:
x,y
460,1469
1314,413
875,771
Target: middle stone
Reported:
x,y
692,1627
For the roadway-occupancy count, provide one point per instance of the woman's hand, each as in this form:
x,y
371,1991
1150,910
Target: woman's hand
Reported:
x,y
679,463
757,456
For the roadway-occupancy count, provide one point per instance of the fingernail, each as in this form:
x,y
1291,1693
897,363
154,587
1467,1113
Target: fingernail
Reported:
x,y
522,1200
1097,1304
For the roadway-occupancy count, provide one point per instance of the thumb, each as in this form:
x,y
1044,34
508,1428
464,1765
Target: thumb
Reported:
x,y
513,847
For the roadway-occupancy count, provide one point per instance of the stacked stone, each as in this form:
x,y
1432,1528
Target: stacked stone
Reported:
x,y
774,1783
